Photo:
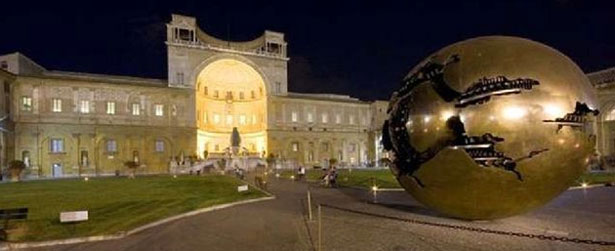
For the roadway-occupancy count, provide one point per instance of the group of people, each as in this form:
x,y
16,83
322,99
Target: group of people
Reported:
x,y
328,178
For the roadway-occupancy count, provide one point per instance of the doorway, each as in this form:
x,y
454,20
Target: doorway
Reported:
x,y
56,170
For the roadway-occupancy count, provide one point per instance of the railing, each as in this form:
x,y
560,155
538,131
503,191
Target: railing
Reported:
x,y
258,51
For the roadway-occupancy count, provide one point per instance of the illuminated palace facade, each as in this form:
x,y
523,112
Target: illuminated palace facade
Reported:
x,y
66,123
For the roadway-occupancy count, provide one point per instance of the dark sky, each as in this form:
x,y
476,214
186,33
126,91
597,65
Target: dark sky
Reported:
x,y
361,49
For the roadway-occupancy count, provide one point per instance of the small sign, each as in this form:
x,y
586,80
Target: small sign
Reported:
x,y
242,188
74,216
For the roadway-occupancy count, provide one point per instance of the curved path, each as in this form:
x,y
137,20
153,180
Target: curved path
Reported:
x,y
281,224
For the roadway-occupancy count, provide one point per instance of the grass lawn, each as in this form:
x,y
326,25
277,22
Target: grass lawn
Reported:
x,y
114,204
383,178
596,178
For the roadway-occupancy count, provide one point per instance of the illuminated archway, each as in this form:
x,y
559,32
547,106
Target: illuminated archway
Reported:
x,y
230,93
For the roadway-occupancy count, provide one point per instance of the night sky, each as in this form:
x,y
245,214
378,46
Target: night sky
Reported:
x,y
335,47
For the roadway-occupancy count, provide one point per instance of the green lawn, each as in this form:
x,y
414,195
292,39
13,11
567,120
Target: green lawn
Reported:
x,y
114,204
597,178
383,178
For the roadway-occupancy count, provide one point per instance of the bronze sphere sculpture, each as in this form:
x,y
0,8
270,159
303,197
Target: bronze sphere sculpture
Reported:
x,y
491,127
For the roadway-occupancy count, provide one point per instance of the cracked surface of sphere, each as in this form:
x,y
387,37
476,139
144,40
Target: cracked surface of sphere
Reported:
x,y
491,127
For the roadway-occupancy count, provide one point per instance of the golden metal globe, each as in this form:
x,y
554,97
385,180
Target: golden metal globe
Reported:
x,y
491,127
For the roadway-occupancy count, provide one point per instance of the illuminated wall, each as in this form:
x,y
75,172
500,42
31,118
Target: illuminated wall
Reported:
x,y
230,93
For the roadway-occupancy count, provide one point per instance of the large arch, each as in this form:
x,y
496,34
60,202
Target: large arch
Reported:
x,y
230,93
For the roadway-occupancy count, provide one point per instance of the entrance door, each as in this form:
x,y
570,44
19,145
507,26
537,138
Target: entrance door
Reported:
x,y
56,170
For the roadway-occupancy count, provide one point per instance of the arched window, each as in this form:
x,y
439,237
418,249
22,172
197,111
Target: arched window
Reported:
x,y
135,156
84,158
610,116
25,157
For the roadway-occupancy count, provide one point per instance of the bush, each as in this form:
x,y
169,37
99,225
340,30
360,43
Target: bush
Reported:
x,y
132,165
15,168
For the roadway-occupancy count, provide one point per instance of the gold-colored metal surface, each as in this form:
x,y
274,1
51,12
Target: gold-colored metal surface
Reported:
x,y
491,127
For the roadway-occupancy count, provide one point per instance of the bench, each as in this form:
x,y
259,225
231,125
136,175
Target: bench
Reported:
x,y
11,214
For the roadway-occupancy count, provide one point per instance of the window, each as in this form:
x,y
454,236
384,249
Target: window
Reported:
x,y
84,158
241,95
216,118
57,145
324,146
180,78
135,156
159,110
216,94
252,95
159,146
325,118
242,119
295,146
56,105
136,109
25,157
205,117
111,146
338,119
185,34
110,107
610,116
205,90
85,106
4,65
294,117
310,117
26,103
229,119
217,147
351,119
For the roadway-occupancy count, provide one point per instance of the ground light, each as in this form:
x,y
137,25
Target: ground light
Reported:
x,y
86,179
375,193
174,176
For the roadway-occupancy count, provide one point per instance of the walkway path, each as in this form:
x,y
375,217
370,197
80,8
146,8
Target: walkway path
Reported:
x,y
269,225
280,224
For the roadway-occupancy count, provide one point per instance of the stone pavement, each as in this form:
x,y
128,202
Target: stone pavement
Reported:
x,y
281,224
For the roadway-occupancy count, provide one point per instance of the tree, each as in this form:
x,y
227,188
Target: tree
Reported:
x,y
271,160
15,169
385,162
132,165
332,162
222,163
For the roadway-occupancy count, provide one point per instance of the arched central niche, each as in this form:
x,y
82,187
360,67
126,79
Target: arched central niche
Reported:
x,y
231,93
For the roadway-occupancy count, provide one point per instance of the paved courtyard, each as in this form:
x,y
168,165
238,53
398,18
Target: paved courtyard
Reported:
x,y
282,224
